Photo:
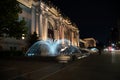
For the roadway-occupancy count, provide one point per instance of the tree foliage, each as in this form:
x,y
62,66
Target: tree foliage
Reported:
x,y
32,39
9,23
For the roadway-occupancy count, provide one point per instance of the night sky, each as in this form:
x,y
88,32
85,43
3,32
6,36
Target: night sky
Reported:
x,y
94,18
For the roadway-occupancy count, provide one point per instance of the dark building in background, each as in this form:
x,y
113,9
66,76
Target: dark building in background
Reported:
x,y
114,35
118,26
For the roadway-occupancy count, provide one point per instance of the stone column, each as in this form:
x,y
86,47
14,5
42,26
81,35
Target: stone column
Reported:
x,y
58,27
63,32
77,38
41,26
55,34
60,32
33,13
46,28
56,30
37,25
72,37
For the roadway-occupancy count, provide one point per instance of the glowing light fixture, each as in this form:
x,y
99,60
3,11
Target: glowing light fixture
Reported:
x,y
23,36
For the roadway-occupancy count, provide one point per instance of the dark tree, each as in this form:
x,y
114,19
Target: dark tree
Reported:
x,y
9,23
114,35
32,39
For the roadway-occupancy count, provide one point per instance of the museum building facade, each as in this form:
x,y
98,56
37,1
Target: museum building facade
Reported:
x,y
47,22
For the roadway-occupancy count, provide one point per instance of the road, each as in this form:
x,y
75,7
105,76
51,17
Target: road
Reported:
x,y
95,67
17,69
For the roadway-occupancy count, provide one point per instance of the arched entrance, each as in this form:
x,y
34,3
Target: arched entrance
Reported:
x,y
50,31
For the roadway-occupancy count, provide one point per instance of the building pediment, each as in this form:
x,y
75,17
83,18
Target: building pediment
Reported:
x,y
27,3
54,11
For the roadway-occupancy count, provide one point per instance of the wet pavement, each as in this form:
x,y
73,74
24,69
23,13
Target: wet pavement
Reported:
x,y
18,69
95,67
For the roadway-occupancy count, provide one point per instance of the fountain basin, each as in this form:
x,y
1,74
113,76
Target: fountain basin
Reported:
x,y
63,58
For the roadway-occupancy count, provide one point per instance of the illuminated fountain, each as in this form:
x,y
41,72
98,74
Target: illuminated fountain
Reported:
x,y
61,49
48,47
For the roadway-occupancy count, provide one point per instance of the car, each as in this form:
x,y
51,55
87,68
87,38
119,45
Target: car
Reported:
x,y
94,50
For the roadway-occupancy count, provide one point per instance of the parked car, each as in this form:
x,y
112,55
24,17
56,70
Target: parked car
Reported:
x,y
94,50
